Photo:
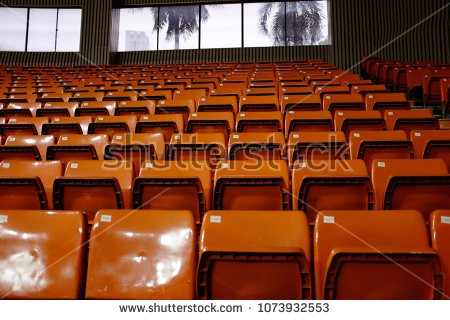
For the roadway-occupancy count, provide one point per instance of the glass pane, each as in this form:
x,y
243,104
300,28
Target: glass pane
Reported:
x,y
69,30
264,24
42,30
136,29
13,29
307,23
178,27
221,26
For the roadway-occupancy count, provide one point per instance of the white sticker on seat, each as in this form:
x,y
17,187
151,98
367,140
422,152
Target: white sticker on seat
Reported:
x,y
224,166
3,218
296,136
390,113
445,220
105,218
12,139
356,134
119,137
149,165
64,138
5,165
328,219
381,164
74,165
302,165
235,136
194,114
417,134
177,137
215,219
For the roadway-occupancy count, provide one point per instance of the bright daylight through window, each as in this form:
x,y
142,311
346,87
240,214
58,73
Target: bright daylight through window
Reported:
x,y
265,24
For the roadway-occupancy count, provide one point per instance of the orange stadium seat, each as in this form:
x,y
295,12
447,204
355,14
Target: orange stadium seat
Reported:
x,y
78,147
409,120
211,122
348,121
301,103
240,185
256,146
87,96
308,121
112,125
387,102
22,126
174,185
26,147
334,185
432,144
28,185
57,109
315,147
93,185
167,124
422,185
375,255
137,108
180,106
67,125
259,122
37,248
156,262
136,148
343,102
54,97
440,238
96,108
17,110
259,104
372,145
254,255
218,104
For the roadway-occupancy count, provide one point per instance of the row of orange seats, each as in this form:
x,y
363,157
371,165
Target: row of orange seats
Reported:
x,y
242,255
213,147
427,82
90,186
330,99
221,123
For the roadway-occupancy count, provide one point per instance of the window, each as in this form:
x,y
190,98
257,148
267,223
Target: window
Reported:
x,y
69,30
307,23
13,29
136,29
221,26
226,25
42,30
48,30
178,27
264,24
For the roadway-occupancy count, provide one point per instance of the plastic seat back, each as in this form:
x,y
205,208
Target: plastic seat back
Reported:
x,y
93,185
373,145
28,185
409,120
375,255
422,185
308,121
440,238
142,255
241,185
254,255
26,147
112,125
348,121
432,144
67,125
25,126
42,254
256,146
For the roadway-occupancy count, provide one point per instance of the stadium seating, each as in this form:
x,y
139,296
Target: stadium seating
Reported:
x,y
422,185
432,144
22,126
259,122
239,185
142,255
136,108
409,120
308,121
112,125
259,103
78,147
66,125
211,122
387,102
440,237
348,121
372,145
374,255
166,124
335,185
301,103
57,109
26,147
93,185
343,102
256,146
261,255
28,185
17,110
